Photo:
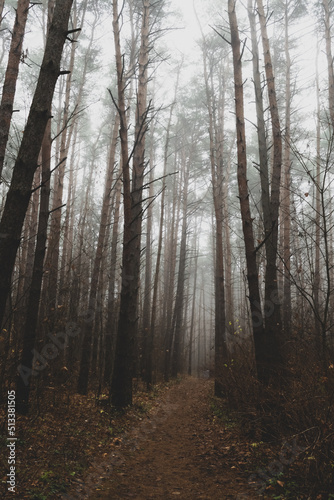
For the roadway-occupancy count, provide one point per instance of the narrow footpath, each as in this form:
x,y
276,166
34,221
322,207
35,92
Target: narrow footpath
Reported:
x,y
175,452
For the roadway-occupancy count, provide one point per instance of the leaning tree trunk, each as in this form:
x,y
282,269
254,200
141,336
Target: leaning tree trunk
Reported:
x,y
30,330
26,163
53,253
12,71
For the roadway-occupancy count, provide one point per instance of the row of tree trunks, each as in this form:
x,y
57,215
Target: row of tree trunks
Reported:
x,y
88,328
19,193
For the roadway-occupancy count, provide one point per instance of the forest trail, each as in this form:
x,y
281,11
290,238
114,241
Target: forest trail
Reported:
x,y
175,452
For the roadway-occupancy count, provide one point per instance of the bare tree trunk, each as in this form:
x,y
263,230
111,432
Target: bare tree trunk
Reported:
x,y
121,386
229,300
177,322
65,266
286,201
111,324
262,363
169,290
147,306
193,312
317,184
26,368
55,226
26,163
28,245
273,326
261,131
12,71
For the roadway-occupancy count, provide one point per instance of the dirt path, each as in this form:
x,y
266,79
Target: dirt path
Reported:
x,y
174,452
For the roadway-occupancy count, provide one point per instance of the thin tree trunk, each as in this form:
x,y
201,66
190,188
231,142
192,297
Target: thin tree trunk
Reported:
x,y
111,324
169,291
216,179
286,202
177,323
317,187
66,257
193,312
146,327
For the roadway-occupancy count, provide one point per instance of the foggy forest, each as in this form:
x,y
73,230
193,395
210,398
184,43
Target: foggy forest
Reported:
x,y
167,249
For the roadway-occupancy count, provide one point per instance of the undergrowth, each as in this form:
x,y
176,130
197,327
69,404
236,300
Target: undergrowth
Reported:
x,y
294,418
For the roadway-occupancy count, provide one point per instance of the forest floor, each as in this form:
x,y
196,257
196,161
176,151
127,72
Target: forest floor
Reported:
x,y
175,442
176,451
